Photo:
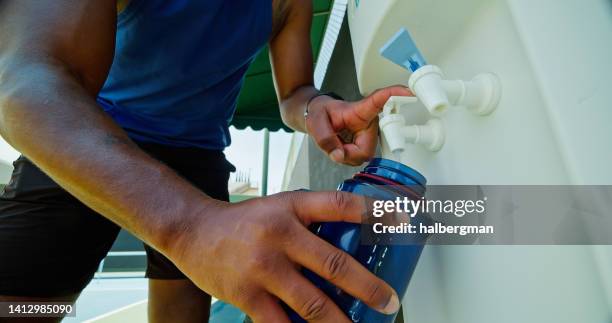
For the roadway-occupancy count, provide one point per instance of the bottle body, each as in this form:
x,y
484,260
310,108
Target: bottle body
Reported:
x,y
394,263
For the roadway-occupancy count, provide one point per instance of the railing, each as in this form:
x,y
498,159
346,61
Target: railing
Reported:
x,y
136,274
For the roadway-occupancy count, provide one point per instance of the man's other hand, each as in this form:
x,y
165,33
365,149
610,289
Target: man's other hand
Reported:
x,y
250,254
348,131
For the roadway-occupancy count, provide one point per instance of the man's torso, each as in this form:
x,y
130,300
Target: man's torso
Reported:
x,y
179,66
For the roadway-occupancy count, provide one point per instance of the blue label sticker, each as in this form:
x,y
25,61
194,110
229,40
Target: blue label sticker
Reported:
x,y
402,50
356,3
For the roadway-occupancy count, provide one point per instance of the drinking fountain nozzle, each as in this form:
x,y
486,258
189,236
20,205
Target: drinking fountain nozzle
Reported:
x,y
481,95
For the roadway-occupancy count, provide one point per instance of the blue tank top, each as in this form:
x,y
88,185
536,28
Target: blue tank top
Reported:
x,y
179,66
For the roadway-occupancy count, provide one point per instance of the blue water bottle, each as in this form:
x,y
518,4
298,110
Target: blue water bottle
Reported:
x,y
382,179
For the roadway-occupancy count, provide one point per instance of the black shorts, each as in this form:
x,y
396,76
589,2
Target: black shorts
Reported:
x,y
51,244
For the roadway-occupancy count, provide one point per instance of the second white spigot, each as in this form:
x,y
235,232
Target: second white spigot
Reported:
x,y
396,133
481,95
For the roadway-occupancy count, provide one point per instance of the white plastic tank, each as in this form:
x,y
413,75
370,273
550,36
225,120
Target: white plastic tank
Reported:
x,y
552,127
553,61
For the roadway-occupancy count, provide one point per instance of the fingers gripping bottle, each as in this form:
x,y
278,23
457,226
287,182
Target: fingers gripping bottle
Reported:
x,y
382,179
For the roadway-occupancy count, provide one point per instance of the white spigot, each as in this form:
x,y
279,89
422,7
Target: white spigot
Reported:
x,y
481,95
396,133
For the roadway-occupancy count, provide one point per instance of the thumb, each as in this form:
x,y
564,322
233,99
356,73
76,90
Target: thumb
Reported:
x,y
369,108
333,206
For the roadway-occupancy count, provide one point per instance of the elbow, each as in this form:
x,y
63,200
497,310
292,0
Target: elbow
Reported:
x,y
19,83
9,99
10,107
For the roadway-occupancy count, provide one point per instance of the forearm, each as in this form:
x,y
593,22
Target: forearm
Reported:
x,y
293,107
48,116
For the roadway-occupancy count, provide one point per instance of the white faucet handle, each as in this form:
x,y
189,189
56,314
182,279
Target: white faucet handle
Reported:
x,y
396,102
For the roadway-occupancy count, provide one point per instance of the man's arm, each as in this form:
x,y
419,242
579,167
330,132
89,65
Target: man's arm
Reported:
x,y
292,62
54,58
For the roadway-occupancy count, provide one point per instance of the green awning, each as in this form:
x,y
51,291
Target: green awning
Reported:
x,y
257,104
